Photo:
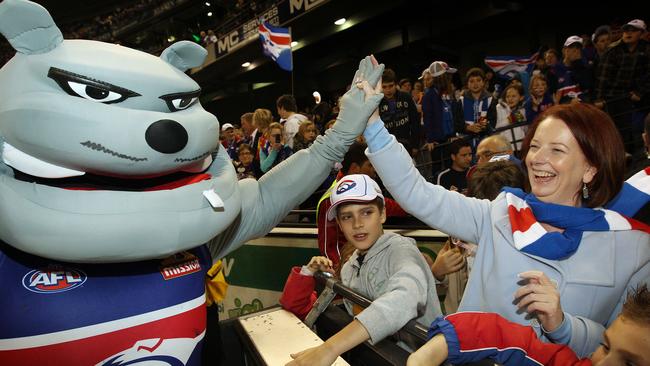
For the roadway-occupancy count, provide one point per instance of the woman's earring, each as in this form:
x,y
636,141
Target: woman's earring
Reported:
x,y
585,191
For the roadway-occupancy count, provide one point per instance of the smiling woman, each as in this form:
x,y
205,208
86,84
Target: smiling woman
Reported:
x,y
579,162
566,261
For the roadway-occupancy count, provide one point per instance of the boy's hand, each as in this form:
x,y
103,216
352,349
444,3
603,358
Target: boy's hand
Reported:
x,y
320,264
316,356
447,261
540,296
433,353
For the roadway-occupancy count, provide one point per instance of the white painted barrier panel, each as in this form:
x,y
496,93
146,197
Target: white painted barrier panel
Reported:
x,y
278,333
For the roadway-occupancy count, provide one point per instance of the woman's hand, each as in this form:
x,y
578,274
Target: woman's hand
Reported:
x,y
541,297
369,91
320,264
316,356
447,261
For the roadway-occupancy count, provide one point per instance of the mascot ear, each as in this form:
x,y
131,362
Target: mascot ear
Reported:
x,y
28,27
184,55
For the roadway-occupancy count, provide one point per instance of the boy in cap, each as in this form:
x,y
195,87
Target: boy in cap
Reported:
x,y
472,336
577,81
385,267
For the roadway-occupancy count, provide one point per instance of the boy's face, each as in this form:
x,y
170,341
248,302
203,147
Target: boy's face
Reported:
x,y
389,89
625,342
361,223
475,84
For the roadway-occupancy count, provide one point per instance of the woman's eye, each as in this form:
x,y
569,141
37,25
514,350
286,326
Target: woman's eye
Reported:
x,y
94,93
183,103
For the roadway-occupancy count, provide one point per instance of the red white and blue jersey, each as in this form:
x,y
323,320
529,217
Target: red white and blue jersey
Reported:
x,y
56,313
476,336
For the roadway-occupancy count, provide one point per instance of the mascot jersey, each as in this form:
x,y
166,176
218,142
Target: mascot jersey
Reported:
x,y
56,313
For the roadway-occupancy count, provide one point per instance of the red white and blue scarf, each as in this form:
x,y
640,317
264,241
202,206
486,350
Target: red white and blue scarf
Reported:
x,y
526,213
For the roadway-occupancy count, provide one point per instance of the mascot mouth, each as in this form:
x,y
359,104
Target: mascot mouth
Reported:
x,y
94,182
33,170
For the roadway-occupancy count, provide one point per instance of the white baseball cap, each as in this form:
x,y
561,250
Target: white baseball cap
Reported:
x,y
226,126
353,188
638,24
438,68
571,40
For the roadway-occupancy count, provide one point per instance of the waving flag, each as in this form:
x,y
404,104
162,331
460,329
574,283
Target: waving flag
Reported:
x,y
276,43
508,66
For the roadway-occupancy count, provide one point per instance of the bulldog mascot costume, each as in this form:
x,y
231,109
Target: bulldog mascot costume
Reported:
x,y
111,208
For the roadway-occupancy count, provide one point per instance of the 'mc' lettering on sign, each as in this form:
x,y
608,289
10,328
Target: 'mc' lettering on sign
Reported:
x,y
297,5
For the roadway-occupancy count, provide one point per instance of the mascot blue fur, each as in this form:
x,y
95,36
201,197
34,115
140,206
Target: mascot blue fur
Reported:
x,y
111,208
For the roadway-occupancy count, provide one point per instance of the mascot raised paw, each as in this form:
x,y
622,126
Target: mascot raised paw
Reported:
x,y
111,207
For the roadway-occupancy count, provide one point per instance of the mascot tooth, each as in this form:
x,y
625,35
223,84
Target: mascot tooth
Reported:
x,y
111,209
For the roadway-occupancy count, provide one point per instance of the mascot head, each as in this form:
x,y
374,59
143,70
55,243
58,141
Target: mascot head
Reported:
x,y
105,150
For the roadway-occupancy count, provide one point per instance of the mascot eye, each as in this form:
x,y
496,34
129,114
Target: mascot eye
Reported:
x,y
88,88
179,101
94,93
183,103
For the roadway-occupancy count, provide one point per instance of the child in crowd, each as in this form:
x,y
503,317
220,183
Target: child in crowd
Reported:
x,y
306,135
540,99
244,165
385,267
472,336
476,111
511,111
275,149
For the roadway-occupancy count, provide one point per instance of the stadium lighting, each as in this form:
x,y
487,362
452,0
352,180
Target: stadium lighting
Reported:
x,y
209,13
246,64
294,43
207,3
340,21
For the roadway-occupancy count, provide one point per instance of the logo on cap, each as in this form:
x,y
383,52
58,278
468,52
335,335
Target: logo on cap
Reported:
x,y
345,186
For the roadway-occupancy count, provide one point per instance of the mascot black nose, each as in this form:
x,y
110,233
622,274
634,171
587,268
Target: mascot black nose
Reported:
x,y
166,136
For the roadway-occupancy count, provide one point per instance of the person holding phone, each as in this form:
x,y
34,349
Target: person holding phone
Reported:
x,y
275,150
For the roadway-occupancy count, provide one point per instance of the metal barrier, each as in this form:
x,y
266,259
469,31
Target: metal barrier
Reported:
x,y
333,287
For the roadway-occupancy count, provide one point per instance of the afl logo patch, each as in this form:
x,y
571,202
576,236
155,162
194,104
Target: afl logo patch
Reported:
x,y
345,186
53,279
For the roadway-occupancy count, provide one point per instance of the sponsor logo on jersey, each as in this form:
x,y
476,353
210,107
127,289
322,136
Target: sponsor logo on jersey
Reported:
x,y
179,265
54,279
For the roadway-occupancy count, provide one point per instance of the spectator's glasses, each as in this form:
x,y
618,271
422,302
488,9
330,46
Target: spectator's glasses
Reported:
x,y
246,152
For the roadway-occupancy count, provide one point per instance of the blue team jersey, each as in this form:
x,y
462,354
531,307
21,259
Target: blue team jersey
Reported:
x,y
56,313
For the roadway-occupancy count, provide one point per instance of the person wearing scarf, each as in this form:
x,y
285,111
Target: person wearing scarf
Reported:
x,y
585,257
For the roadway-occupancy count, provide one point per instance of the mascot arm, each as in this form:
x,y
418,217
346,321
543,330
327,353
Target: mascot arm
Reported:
x,y
267,201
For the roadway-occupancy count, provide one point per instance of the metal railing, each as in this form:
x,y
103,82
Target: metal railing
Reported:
x,y
332,287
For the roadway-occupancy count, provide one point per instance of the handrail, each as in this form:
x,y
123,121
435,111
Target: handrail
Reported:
x,y
412,328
